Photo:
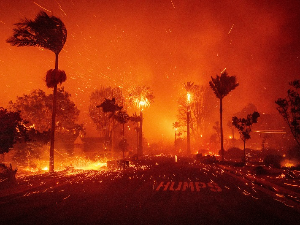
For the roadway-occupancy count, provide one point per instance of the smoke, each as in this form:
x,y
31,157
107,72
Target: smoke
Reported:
x,y
162,44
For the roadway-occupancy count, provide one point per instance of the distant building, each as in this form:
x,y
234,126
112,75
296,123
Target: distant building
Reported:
x,y
91,147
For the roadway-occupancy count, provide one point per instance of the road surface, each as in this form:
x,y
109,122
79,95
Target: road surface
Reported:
x,y
159,191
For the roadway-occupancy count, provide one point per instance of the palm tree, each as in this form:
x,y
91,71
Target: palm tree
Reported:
x,y
222,85
141,97
188,87
47,32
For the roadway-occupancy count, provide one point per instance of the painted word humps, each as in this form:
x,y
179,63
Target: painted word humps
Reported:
x,y
183,186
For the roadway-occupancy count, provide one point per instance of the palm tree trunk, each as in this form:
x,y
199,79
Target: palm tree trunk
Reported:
x,y
51,163
140,149
221,129
188,135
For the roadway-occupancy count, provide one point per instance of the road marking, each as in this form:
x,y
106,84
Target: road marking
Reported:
x,y
184,186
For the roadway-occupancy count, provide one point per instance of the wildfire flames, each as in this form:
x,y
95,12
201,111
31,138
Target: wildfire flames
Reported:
x,y
72,163
289,163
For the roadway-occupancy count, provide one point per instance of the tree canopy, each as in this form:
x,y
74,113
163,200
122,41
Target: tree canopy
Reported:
x,y
98,116
141,97
44,31
12,129
289,108
55,77
36,108
244,124
222,85
244,127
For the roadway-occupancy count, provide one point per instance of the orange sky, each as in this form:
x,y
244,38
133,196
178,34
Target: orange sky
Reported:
x,y
161,44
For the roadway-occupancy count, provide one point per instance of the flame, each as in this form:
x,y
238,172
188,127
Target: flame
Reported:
x,y
142,103
289,163
188,95
73,163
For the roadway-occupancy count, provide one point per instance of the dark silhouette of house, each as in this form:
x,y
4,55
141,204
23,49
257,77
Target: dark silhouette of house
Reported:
x,y
91,147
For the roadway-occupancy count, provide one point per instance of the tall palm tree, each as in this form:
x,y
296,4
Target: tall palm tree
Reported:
x,y
189,88
222,85
141,97
47,32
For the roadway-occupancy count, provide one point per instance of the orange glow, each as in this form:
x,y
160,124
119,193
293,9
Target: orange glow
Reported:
x,y
142,103
74,163
289,163
188,95
161,46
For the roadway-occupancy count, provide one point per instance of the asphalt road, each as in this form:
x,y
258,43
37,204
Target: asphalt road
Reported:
x,y
158,192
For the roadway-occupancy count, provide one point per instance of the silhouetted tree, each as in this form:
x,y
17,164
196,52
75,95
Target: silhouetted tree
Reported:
x,y
110,106
141,97
122,117
289,108
244,127
55,77
47,32
199,111
105,125
222,85
249,108
36,108
136,120
189,86
12,129
176,125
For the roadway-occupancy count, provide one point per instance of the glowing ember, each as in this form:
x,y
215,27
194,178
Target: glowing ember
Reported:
x,y
69,163
92,166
